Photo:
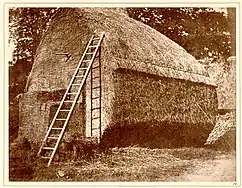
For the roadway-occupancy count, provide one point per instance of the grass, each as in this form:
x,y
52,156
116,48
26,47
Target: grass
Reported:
x,y
128,164
92,163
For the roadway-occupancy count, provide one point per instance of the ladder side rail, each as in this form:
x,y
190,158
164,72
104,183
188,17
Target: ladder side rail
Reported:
x,y
63,99
98,48
82,84
77,96
91,98
100,99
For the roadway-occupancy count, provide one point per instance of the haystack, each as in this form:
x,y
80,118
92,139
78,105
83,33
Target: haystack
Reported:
x,y
223,136
146,77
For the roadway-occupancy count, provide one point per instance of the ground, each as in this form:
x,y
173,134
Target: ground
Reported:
x,y
221,169
142,164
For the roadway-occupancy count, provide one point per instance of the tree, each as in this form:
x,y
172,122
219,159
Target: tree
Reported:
x,y
26,26
203,32
232,28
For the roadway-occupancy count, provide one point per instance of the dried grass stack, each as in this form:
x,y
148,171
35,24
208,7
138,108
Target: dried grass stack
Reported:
x,y
224,124
223,73
145,76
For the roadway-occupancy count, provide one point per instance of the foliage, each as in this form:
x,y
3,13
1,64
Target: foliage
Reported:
x,y
27,26
202,32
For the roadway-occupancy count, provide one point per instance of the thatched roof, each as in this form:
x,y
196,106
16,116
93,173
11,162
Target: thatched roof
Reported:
x,y
128,44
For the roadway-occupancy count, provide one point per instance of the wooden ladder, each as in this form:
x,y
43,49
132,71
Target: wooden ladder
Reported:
x,y
96,102
62,116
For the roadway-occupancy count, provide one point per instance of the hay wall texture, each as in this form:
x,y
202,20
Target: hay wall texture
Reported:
x,y
141,97
35,117
128,44
50,71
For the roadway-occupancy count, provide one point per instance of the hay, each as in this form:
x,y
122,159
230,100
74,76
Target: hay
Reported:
x,y
155,134
36,113
141,97
128,45
223,72
224,124
131,164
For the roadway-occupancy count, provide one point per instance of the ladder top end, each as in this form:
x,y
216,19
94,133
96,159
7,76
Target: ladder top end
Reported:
x,y
100,33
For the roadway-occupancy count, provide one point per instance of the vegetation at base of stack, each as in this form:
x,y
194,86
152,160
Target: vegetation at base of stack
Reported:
x,y
21,160
128,164
94,162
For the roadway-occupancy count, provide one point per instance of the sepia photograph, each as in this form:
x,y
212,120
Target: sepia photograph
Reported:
x,y
131,93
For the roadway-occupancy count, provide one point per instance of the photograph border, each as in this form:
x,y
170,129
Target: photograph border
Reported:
x,y
4,94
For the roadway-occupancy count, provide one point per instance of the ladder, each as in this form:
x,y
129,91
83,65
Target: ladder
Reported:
x,y
96,99
60,120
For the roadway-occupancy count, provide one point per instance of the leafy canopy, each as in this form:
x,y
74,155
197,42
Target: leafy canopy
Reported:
x,y
203,32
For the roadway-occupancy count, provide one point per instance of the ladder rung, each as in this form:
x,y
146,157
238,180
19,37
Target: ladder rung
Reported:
x,y
96,87
64,110
56,128
95,67
61,54
81,73
49,148
92,46
43,157
95,128
76,84
53,137
95,108
96,77
95,98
